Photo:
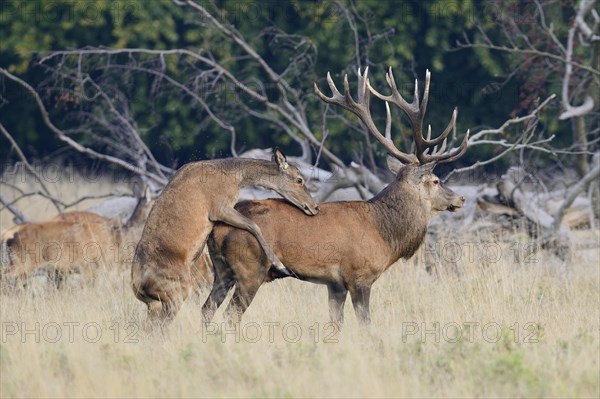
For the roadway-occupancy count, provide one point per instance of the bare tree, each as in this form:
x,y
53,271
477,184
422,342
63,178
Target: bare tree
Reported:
x,y
569,59
105,126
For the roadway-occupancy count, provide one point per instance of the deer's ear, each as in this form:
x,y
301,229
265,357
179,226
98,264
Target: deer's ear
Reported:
x,y
280,159
424,170
394,165
138,188
417,173
427,168
147,194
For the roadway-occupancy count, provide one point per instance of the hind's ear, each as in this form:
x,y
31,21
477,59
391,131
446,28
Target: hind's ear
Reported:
x,y
280,159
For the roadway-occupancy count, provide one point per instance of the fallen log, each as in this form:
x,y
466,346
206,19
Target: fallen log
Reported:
x,y
539,221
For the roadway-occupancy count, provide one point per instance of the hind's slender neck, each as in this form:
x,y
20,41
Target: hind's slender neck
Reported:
x,y
258,173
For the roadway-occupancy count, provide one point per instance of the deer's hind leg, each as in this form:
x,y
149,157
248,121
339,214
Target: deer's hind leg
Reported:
x,y
224,279
242,298
236,219
249,270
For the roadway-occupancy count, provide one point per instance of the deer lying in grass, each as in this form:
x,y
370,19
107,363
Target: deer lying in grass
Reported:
x,y
201,194
351,243
72,242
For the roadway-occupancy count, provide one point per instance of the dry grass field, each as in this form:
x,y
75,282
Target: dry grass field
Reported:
x,y
501,326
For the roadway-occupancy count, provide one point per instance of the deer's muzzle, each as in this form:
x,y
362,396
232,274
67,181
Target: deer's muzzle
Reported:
x,y
456,205
311,210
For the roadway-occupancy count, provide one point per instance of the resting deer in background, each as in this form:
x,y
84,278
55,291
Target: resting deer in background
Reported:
x,y
351,243
199,195
72,242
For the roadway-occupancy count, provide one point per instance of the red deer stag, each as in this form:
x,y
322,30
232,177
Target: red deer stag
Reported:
x,y
199,195
351,243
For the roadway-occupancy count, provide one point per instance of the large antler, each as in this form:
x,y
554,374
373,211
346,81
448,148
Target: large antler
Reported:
x,y
415,112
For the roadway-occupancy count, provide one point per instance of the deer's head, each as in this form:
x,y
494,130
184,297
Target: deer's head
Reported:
x,y
142,208
415,169
291,185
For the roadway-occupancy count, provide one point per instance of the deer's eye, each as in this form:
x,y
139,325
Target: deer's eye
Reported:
x,y
299,180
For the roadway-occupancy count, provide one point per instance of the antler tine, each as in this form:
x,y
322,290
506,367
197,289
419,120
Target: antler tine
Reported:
x,y
442,148
426,148
439,155
459,151
423,106
453,155
426,152
361,109
336,95
415,110
445,133
395,97
435,151
363,92
347,94
388,122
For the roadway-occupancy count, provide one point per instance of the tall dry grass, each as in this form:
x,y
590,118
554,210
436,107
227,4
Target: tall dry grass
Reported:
x,y
481,328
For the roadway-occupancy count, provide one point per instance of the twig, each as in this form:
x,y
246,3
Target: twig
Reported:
x,y
28,165
189,92
286,111
588,103
66,205
63,137
573,192
538,53
477,139
19,216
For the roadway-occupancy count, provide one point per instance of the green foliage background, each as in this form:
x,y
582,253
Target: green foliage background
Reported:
x,y
414,36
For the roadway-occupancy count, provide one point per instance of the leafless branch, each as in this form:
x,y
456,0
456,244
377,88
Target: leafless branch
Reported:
x,y
50,197
74,144
588,102
286,111
538,53
481,138
587,7
224,125
19,216
574,191
28,166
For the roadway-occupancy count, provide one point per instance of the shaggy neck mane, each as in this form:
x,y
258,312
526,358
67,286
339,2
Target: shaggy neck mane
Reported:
x,y
401,216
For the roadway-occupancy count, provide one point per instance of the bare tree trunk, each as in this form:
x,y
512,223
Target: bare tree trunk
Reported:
x,y
578,188
581,146
595,187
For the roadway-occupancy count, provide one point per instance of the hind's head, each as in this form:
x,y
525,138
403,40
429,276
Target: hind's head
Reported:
x,y
291,184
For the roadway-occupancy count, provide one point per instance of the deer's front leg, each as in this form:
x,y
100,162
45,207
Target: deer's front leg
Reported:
x,y
337,299
236,219
360,301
